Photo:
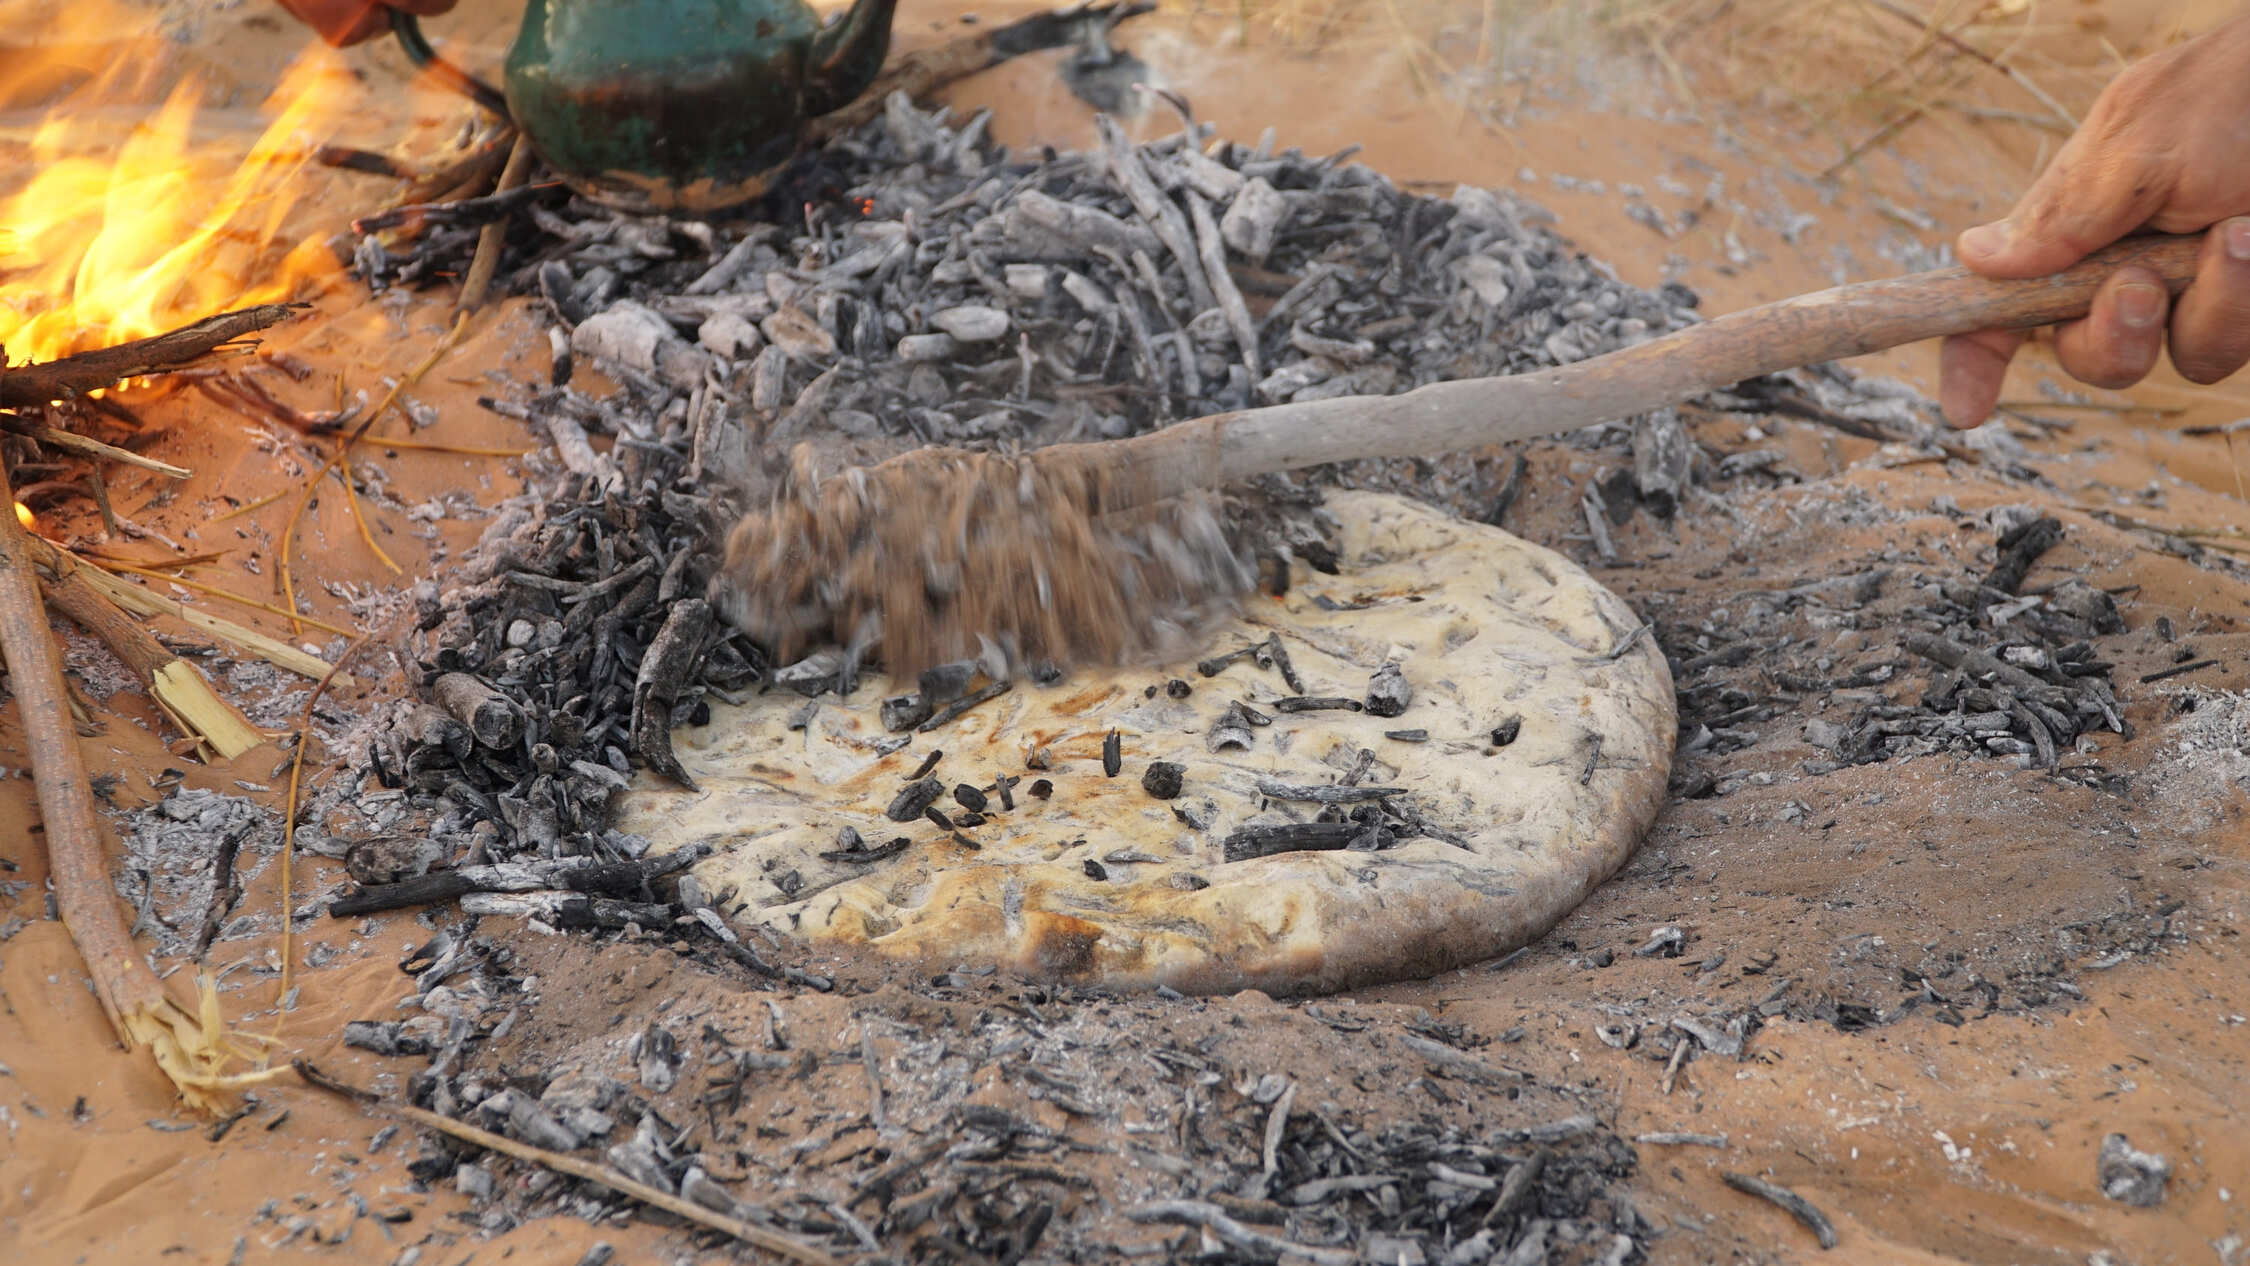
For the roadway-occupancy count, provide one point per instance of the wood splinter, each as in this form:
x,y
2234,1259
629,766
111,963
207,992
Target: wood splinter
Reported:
x,y
185,696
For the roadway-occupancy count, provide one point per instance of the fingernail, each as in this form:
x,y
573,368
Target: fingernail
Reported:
x,y
2139,304
1985,240
2238,238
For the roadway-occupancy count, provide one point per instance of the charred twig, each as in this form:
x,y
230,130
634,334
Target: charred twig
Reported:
x,y
1251,842
28,385
487,210
575,874
1213,1219
346,158
562,1162
668,663
1799,1208
960,707
1329,794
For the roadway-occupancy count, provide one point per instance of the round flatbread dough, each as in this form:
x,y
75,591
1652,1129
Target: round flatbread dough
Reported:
x,y
1549,723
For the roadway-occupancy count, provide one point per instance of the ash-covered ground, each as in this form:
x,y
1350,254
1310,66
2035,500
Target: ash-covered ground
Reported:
x,y
1887,669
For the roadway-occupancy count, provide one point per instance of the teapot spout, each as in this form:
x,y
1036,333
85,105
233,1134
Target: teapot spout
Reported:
x,y
848,55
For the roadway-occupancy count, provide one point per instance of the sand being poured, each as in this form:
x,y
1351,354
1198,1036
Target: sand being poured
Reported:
x,y
945,555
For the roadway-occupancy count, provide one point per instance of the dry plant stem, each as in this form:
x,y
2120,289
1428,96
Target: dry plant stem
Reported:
x,y
1950,40
138,600
489,238
282,578
28,385
427,446
155,573
75,443
563,1162
359,517
190,1048
182,692
289,833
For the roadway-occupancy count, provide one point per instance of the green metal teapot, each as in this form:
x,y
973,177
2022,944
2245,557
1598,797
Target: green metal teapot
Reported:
x,y
673,105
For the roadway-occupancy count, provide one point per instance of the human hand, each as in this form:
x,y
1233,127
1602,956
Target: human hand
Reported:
x,y
342,22
2165,148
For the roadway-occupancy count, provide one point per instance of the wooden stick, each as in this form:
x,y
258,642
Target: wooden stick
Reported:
x,y
195,708
563,1162
1472,413
89,371
190,1048
249,641
85,447
228,595
493,236
474,167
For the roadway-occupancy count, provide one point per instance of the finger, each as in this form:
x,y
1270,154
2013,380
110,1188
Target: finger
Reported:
x,y
1971,368
2099,188
2122,334
2211,319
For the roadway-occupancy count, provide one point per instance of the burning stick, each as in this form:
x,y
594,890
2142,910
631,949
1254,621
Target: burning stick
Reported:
x,y
190,1048
89,371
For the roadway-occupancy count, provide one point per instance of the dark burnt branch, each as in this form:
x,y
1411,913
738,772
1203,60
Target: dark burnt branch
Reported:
x,y
30,385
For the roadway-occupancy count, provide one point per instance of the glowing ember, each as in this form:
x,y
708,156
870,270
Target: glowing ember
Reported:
x,y
114,240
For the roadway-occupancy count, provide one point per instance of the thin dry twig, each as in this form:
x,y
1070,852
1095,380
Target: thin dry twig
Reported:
x,y
1959,45
486,261
359,516
1799,1208
154,573
249,641
184,694
75,443
562,1162
289,827
283,580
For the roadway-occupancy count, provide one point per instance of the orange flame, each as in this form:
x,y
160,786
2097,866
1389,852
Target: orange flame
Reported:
x,y
25,516
111,241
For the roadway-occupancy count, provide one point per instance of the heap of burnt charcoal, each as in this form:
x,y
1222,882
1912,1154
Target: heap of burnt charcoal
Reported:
x,y
927,286
2016,671
577,639
2037,684
963,1116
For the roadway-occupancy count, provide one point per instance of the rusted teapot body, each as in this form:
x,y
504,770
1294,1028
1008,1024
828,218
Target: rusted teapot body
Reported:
x,y
683,105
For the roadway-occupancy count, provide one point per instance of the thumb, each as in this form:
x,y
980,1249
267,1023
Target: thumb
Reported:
x,y
2075,208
